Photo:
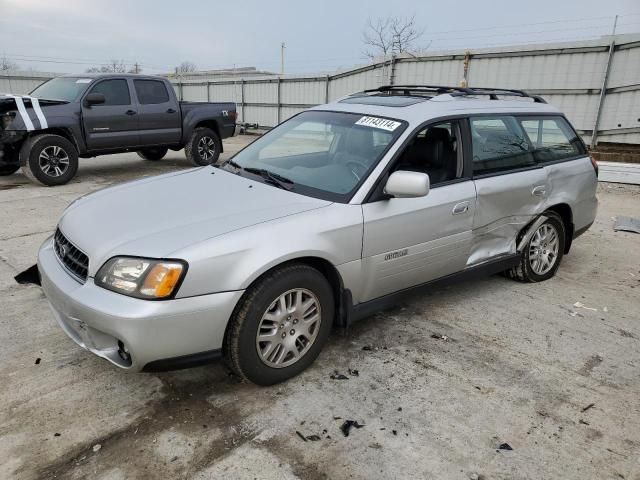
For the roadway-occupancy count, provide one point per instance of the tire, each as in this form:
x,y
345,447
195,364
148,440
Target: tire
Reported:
x,y
33,159
530,271
203,147
8,169
153,154
252,314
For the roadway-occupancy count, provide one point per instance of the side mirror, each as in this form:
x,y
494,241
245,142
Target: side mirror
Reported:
x,y
94,99
404,184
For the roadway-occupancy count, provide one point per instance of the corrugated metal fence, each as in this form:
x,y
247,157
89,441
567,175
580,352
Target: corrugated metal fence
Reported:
x,y
569,75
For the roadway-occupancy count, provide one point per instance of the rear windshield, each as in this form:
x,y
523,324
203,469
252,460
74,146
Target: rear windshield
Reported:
x,y
68,89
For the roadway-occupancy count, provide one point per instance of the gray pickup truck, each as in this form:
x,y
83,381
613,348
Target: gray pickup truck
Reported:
x,y
82,116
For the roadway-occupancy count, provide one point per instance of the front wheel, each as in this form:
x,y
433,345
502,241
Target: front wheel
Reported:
x,y
203,147
153,154
8,168
541,257
49,159
280,325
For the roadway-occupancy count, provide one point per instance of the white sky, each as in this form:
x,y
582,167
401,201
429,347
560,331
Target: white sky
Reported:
x,y
321,35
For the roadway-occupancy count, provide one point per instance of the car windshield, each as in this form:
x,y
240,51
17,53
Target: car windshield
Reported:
x,y
67,89
320,154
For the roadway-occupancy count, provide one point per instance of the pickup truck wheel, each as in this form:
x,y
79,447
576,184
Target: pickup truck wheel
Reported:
x,y
203,148
542,255
153,153
49,159
280,325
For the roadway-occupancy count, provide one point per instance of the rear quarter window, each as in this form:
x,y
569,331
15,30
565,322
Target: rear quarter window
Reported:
x,y
151,92
552,138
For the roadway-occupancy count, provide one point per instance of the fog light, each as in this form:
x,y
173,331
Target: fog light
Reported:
x,y
123,352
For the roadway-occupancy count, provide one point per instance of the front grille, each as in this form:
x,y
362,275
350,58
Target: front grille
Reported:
x,y
75,261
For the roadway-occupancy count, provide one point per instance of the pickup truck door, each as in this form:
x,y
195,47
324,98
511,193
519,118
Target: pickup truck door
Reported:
x,y
114,124
159,119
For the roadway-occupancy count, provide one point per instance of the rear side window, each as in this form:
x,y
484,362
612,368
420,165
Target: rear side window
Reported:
x,y
151,92
552,138
116,92
499,143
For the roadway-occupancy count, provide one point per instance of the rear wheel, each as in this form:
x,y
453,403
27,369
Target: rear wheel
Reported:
x,y
153,154
204,146
49,159
543,253
280,325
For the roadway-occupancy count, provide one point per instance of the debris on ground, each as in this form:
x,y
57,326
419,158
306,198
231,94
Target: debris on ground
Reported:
x,y
348,425
582,305
173,459
97,447
505,446
37,362
395,432
399,409
627,224
583,422
304,439
437,336
354,373
30,275
375,446
338,376
367,348
313,438
588,407
56,434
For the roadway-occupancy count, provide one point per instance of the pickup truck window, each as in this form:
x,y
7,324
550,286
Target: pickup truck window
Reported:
x,y
116,91
67,89
151,92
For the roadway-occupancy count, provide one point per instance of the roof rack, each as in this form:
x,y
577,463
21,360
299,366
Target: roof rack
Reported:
x,y
410,90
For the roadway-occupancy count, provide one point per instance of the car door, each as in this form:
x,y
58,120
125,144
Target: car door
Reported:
x,y
511,187
113,124
410,241
159,119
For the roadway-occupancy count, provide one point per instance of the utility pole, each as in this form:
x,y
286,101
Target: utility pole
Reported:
x,y
603,90
136,67
282,47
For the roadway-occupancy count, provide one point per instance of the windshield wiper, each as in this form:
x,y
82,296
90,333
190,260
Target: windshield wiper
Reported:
x,y
233,164
272,178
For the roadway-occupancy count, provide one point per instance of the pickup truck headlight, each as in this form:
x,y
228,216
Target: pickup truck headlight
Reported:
x,y
6,119
144,278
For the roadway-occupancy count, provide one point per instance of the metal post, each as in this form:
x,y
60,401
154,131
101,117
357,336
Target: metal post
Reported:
x,y
208,92
282,47
392,69
279,105
242,100
326,90
603,90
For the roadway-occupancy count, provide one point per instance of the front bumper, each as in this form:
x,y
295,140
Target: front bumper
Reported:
x,y
97,319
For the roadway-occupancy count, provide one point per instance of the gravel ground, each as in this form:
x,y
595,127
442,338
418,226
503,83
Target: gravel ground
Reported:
x,y
482,379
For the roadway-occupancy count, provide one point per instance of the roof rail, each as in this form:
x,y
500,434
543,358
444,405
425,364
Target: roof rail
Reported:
x,y
493,93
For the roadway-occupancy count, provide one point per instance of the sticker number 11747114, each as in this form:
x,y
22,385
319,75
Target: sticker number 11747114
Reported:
x,y
377,122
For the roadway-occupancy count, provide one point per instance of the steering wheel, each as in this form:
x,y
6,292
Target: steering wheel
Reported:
x,y
358,169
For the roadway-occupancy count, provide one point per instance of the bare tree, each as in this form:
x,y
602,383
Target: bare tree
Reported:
x,y
114,66
391,35
7,65
186,67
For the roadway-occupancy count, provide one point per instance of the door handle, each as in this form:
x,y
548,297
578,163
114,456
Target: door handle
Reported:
x,y
462,207
539,191
171,110
130,112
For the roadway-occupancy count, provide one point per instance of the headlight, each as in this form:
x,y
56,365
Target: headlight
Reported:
x,y
141,277
6,119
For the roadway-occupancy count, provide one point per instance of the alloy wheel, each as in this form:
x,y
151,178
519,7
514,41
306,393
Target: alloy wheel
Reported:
x,y
206,148
53,161
543,249
288,328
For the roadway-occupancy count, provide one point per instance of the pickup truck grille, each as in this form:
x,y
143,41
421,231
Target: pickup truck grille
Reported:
x,y
75,261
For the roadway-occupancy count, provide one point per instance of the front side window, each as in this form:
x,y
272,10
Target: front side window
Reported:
x,y
499,144
116,92
321,154
435,150
552,138
151,92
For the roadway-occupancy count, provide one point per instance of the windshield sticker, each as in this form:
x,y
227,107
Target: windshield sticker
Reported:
x,y
83,80
376,122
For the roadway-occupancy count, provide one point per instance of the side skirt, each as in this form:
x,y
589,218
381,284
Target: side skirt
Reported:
x,y
366,309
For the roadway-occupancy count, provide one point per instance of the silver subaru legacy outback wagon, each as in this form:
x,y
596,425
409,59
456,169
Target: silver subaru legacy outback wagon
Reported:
x,y
325,219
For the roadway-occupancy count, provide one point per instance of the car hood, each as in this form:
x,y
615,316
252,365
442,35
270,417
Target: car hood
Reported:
x,y
158,216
